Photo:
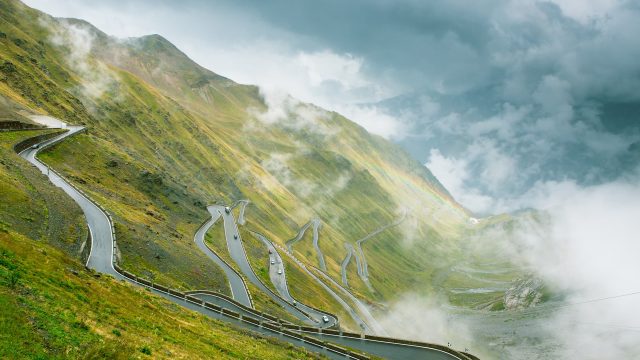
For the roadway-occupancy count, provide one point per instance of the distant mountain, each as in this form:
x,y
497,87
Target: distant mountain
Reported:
x,y
167,136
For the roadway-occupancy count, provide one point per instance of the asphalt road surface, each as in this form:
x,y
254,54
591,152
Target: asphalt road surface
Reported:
x,y
102,253
298,236
279,281
361,260
238,290
316,245
237,252
345,263
99,225
243,205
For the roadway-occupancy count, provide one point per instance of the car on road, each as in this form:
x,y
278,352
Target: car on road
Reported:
x,y
295,303
227,210
279,271
273,262
35,146
270,252
235,236
325,318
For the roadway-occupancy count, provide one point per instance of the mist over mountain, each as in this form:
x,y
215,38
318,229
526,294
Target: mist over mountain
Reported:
x,y
497,96
469,172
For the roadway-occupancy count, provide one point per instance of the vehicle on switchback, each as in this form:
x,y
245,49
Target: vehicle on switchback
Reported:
x,y
235,236
325,318
279,271
227,210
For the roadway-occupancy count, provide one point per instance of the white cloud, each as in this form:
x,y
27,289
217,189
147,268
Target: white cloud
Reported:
x,y
589,249
585,11
375,120
416,318
284,110
453,174
76,42
277,166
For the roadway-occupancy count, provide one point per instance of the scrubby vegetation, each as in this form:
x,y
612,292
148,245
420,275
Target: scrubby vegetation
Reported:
x,y
52,307
168,137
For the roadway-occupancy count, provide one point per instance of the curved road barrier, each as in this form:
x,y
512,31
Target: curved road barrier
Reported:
x,y
243,206
102,259
299,235
239,289
279,281
345,263
364,310
354,315
316,245
361,260
239,256
316,226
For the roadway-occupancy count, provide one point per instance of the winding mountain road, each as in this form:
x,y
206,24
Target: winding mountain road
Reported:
x,y
101,259
299,235
316,238
278,276
102,236
243,205
239,291
354,315
239,256
361,259
345,263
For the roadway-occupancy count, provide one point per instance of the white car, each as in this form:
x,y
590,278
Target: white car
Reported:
x,y
279,271
273,262
227,210
35,146
295,303
325,318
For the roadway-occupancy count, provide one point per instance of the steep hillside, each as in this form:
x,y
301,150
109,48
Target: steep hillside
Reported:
x,y
168,136
52,307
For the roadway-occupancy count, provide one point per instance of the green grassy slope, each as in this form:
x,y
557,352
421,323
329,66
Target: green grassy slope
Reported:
x,y
52,307
56,309
168,136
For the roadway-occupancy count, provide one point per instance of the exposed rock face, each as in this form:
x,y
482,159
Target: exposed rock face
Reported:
x,y
523,293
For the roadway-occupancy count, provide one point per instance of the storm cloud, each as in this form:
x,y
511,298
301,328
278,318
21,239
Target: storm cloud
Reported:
x,y
511,103
494,96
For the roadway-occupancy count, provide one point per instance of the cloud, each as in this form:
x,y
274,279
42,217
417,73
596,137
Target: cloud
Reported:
x,y
376,120
277,166
483,162
511,103
583,245
453,174
416,318
588,250
290,113
76,42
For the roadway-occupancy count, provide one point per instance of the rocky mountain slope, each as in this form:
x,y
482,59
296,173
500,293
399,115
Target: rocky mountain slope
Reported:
x,y
166,137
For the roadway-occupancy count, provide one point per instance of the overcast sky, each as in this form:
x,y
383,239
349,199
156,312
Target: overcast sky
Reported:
x,y
511,103
495,96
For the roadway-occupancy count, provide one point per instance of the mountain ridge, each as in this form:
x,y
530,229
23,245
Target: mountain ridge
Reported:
x,y
160,148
